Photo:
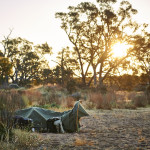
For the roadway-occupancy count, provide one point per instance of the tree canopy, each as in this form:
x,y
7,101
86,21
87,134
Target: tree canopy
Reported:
x,y
93,29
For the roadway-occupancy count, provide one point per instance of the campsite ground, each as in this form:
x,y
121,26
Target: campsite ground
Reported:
x,y
105,130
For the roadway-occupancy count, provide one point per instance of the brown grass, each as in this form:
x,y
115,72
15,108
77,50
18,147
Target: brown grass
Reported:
x,y
67,102
99,101
82,142
22,140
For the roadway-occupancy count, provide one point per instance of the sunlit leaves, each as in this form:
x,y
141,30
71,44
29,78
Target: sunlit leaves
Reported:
x,y
106,1
93,30
5,67
45,48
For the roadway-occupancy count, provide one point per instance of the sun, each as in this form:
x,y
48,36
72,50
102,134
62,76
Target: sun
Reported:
x,y
120,49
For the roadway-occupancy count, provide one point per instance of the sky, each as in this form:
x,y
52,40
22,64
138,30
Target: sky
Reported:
x,y
35,20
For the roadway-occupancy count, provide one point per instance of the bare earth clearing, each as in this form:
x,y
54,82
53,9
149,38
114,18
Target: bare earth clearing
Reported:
x,y
105,130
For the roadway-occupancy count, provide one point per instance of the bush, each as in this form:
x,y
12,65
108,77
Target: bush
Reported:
x,y
2,131
71,86
140,101
10,101
68,102
100,101
25,139
5,133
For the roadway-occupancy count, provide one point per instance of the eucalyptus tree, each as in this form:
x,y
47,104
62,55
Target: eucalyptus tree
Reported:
x,y
27,60
9,52
93,29
67,65
44,52
141,52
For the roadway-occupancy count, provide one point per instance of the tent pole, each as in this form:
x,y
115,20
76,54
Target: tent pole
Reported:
x,y
77,118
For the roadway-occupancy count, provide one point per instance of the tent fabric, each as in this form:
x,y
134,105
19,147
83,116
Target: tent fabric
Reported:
x,y
70,119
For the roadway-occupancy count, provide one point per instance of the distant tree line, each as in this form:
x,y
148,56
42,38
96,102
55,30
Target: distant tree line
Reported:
x,y
23,63
92,28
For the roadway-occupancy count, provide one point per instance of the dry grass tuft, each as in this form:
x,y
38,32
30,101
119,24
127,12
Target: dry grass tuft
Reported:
x,y
82,142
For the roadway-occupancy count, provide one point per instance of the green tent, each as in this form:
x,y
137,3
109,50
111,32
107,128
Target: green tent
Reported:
x,y
70,119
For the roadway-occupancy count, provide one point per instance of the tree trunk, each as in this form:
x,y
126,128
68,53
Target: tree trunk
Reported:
x,y
95,78
100,74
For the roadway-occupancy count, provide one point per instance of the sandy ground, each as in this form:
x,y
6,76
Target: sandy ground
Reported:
x,y
105,130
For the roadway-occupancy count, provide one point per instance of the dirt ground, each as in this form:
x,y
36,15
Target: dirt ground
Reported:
x,y
105,130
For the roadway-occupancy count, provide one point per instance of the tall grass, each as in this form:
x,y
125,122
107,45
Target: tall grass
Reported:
x,y
10,101
21,140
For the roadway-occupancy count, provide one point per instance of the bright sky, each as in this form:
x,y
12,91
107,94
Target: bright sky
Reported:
x,y
35,19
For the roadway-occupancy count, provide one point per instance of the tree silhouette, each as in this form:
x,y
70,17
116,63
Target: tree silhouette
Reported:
x,y
26,60
142,51
93,29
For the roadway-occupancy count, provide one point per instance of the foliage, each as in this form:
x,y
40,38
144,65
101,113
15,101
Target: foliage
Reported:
x,y
140,101
100,101
10,101
93,31
26,139
22,61
5,69
2,131
142,51
22,140
71,85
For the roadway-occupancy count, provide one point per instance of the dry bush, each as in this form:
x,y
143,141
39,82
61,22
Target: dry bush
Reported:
x,y
25,139
67,102
121,95
10,101
140,100
131,95
22,140
33,96
108,101
51,94
89,105
99,101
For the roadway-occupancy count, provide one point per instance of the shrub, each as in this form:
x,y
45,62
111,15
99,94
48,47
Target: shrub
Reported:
x,y
25,139
33,95
5,133
71,85
6,146
100,101
10,101
140,101
68,102
2,131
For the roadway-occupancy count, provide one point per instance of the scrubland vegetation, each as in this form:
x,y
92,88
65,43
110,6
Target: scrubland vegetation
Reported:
x,y
90,71
57,98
